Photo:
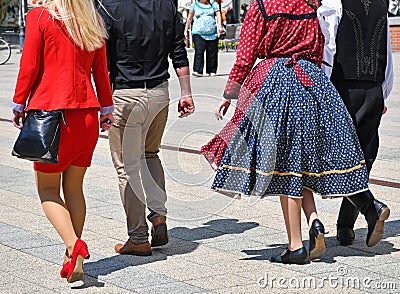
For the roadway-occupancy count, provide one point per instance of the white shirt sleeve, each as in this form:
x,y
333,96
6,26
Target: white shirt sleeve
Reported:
x,y
329,15
18,107
387,85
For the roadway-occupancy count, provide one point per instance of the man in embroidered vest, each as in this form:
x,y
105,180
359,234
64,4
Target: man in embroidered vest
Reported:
x,y
363,75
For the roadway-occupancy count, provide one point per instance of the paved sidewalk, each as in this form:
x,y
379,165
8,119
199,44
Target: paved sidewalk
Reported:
x,y
217,245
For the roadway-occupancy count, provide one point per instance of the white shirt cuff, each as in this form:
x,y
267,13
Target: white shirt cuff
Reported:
x,y
107,109
18,107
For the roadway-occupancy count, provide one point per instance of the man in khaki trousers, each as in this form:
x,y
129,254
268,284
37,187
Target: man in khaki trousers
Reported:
x,y
142,35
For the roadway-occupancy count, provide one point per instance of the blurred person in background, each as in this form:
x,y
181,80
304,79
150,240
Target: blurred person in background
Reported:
x,y
207,26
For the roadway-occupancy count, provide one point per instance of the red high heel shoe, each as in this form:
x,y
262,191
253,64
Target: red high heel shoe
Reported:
x,y
65,269
79,253
66,264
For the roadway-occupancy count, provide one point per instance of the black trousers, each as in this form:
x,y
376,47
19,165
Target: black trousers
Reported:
x,y
364,101
211,49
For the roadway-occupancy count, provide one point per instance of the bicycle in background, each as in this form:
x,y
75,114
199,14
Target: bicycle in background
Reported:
x,y
5,51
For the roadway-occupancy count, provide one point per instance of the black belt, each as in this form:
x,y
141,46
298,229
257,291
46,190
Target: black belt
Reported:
x,y
139,84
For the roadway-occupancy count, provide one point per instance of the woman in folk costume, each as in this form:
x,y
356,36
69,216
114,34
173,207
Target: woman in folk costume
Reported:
x,y
291,134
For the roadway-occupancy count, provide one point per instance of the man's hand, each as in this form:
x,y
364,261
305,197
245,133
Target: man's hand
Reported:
x,y
18,119
185,106
222,108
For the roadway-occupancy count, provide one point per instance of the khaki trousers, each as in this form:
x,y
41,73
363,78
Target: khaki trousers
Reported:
x,y
135,138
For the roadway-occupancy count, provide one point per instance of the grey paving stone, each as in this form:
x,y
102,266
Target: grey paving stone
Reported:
x,y
11,284
219,282
52,252
138,278
13,240
93,286
7,229
175,287
387,269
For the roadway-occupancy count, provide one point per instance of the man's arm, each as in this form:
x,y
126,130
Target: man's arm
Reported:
x,y
186,105
180,62
329,16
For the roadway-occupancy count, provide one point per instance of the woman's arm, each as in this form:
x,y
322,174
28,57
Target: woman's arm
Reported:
x,y
251,34
188,22
30,60
101,80
219,22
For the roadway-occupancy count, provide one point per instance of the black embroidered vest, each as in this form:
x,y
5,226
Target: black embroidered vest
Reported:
x,y
361,42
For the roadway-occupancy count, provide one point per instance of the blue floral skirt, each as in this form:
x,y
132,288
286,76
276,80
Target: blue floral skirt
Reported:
x,y
293,137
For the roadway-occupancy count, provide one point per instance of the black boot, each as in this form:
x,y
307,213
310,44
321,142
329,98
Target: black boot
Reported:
x,y
375,213
317,240
347,217
298,256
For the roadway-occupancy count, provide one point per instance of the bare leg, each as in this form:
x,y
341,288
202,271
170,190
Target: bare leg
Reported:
x,y
73,196
292,214
48,186
295,252
284,205
309,208
317,245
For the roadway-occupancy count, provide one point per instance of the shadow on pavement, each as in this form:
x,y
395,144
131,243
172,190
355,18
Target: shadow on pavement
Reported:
x,y
213,229
359,248
181,242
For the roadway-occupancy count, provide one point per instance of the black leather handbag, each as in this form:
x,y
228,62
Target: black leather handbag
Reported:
x,y
40,136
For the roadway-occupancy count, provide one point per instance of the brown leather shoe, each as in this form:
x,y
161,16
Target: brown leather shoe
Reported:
x,y
143,249
159,233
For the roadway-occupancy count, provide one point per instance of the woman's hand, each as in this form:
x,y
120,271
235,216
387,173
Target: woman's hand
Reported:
x,y
221,31
106,120
222,108
384,110
18,119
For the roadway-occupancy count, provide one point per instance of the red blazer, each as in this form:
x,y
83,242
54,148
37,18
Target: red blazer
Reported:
x,y
55,73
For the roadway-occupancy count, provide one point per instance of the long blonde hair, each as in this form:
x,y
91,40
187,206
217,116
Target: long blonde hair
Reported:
x,y
81,20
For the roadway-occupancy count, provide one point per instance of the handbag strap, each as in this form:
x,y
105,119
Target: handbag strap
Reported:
x,y
63,118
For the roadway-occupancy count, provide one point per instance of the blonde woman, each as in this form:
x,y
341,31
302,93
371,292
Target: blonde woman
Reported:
x,y
64,44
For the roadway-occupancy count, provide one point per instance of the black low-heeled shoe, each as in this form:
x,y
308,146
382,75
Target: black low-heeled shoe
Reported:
x,y
298,256
317,239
